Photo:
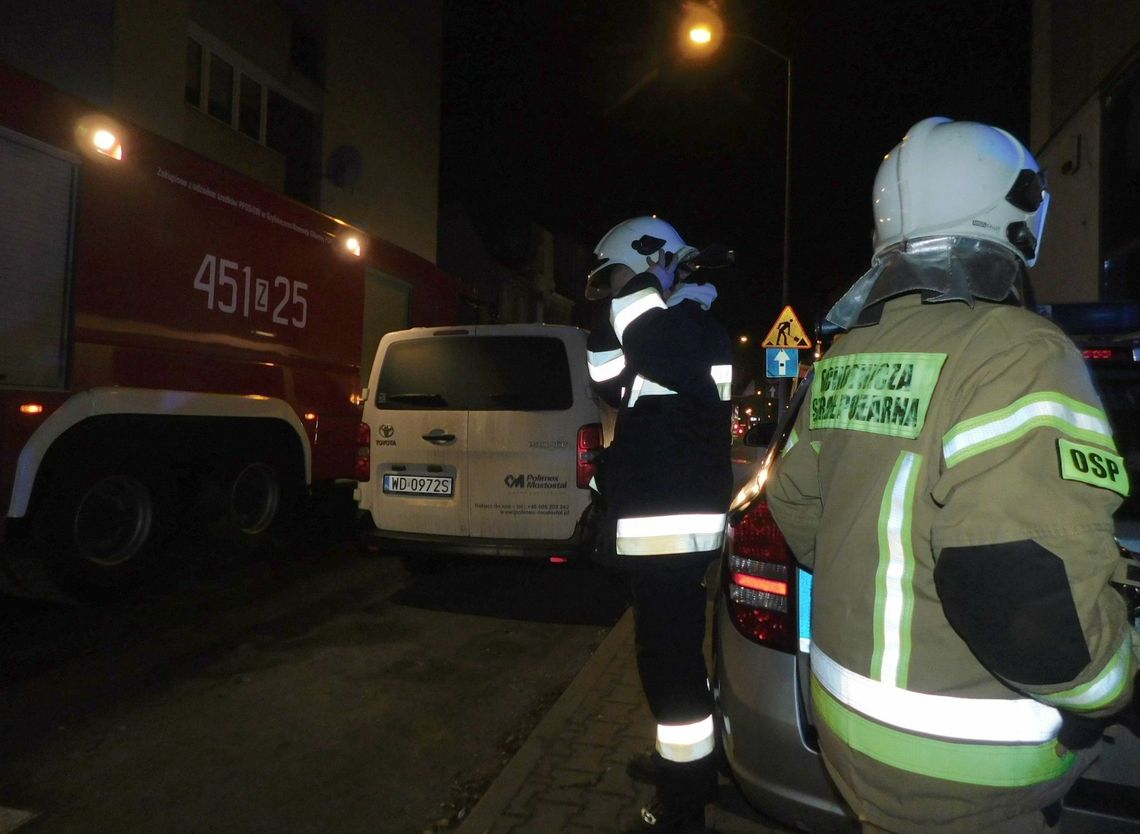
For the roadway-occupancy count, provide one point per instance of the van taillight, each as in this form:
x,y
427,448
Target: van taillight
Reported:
x,y
363,468
759,576
589,443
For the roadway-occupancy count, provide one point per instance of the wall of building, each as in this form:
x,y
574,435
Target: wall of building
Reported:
x,y
1068,265
1077,50
1075,47
68,43
384,100
380,93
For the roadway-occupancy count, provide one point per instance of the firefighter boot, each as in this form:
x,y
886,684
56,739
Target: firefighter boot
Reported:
x,y
645,767
669,816
678,805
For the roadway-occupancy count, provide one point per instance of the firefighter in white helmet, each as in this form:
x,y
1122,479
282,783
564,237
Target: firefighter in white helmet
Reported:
x,y
659,356
967,647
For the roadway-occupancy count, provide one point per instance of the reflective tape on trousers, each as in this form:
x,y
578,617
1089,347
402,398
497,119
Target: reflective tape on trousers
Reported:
x,y
686,742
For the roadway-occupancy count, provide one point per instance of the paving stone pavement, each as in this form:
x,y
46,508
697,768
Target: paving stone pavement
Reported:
x,y
569,776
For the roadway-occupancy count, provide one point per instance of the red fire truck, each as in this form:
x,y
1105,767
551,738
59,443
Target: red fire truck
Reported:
x,y
177,343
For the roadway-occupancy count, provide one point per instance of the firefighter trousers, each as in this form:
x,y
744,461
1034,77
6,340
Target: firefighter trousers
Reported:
x,y
669,627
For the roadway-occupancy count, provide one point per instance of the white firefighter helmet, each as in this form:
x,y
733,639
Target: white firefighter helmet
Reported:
x,y
630,244
964,179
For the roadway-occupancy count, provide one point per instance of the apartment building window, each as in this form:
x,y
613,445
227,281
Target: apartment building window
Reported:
x,y
250,109
193,72
235,91
1120,227
226,88
221,98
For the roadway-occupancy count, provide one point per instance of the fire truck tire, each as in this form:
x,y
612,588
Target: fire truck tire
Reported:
x,y
102,529
255,498
259,503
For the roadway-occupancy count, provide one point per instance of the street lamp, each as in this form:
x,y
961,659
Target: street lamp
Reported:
x,y
700,35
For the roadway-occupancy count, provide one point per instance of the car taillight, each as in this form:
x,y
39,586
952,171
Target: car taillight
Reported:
x,y
1117,355
589,443
363,469
759,581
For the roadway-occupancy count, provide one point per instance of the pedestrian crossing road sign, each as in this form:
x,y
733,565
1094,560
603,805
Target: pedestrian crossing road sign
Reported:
x,y
787,332
781,362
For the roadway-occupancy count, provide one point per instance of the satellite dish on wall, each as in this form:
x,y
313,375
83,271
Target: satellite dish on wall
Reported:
x,y
344,166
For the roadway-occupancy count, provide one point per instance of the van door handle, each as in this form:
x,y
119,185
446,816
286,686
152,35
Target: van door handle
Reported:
x,y
439,439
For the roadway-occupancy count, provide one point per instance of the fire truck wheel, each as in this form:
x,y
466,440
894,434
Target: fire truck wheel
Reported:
x,y
255,499
103,528
258,509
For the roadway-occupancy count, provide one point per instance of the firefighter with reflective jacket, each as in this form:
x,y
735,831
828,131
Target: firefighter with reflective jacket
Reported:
x,y
967,648
661,358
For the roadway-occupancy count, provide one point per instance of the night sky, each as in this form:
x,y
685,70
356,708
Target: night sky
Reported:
x,y
580,113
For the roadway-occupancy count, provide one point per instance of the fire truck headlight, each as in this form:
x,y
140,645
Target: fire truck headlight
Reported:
x,y
351,244
108,144
98,135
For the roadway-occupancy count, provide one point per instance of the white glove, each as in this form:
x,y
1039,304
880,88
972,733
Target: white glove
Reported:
x,y
664,269
703,294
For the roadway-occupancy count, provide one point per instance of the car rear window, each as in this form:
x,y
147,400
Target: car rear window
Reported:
x,y
476,373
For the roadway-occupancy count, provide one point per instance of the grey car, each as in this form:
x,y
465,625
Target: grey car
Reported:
x,y
762,626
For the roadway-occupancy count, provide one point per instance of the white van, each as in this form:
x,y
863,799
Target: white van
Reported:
x,y
481,441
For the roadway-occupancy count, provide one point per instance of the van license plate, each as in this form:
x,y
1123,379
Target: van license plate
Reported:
x,y
418,485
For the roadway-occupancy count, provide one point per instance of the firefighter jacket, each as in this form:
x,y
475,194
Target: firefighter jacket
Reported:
x,y
666,478
950,481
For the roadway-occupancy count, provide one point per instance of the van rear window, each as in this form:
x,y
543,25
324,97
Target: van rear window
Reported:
x,y
476,373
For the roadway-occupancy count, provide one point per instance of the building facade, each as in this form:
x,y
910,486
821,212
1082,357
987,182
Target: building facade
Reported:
x,y
1085,131
334,102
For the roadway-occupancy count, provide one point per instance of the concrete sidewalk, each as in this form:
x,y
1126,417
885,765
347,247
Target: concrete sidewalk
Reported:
x,y
569,776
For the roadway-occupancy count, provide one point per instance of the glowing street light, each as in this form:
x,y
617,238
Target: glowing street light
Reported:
x,y
700,34
702,30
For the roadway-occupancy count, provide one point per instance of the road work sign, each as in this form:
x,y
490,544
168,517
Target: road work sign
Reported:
x,y
787,332
781,363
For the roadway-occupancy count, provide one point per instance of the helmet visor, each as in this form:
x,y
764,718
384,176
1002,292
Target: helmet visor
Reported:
x,y
607,279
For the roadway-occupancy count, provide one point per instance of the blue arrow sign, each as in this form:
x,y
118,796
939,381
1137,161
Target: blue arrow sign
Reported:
x,y
780,363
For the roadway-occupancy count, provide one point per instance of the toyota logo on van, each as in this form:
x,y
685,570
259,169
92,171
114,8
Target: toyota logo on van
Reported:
x,y
386,430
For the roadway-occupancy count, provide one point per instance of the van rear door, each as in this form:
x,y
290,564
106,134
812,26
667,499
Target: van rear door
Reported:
x,y
523,432
418,415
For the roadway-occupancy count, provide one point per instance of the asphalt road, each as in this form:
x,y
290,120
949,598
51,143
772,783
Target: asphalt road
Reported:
x,y
331,691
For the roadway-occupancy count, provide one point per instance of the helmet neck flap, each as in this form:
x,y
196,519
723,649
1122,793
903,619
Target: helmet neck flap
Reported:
x,y
942,268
